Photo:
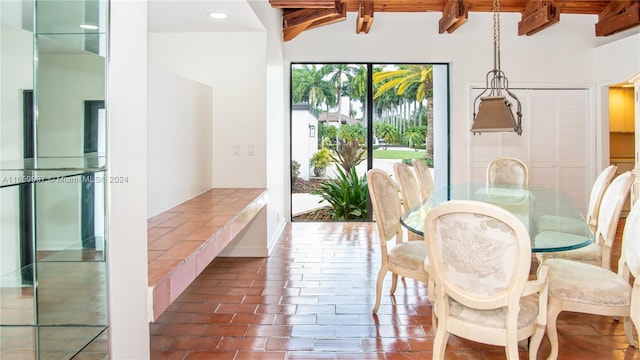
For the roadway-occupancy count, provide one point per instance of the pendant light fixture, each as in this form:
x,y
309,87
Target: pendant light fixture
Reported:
x,y
494,112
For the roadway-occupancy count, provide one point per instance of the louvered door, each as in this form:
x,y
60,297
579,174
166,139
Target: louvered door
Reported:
x,y
554,142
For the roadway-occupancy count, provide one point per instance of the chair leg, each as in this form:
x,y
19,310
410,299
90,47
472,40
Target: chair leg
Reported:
x,y
634,313
394,282
381,274
536,340
628,331
440,342
553,310
511,350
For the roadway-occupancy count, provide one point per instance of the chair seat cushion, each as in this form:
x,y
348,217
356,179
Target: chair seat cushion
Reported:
x,y
409,255
495,318
591,253
587,284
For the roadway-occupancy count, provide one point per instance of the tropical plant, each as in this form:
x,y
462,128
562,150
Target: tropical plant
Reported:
x,y
321,159
410,79
347,195
339,75
348,132
309,86
349,155
386,131
327,131
413,136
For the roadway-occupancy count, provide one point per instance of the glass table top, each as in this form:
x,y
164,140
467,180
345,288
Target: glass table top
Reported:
x,y
534,206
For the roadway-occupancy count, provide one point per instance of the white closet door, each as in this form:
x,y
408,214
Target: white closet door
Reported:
x,y
554,142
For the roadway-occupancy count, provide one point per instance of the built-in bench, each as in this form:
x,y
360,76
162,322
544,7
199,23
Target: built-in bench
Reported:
x,y
185,239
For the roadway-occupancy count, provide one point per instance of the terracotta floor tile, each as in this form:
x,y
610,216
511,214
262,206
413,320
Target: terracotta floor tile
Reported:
x,y
312,299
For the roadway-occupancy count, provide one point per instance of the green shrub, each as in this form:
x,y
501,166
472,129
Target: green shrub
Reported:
x,y
295,171
347,195
322,158
429,162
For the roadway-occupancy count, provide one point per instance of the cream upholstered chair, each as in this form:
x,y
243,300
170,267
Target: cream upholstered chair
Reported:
x,y
599,251
590,289
400,257
425,180
479,259
508,171
409,190
558,223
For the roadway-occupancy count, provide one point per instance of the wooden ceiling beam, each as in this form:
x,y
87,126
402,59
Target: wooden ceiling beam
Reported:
x,y
295,22
293,18
299,4
538,16
613,15
454,14
618,16
365,17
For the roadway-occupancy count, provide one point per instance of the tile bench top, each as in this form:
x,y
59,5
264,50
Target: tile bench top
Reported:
x,y
183,240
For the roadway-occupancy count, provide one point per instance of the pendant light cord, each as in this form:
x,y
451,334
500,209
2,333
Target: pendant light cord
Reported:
x,y
496,41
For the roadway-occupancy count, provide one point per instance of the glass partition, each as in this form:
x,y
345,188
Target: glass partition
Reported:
x,y
53,289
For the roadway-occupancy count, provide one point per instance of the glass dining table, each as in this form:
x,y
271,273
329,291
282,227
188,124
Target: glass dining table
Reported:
x,y
529,205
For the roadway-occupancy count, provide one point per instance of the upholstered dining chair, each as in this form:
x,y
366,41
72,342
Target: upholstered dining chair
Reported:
x,y
409,190
400,257
479,261
558,223
590,289
599,251
508,171
425,180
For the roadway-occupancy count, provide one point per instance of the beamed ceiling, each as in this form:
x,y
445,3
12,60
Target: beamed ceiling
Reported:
x,y
613,15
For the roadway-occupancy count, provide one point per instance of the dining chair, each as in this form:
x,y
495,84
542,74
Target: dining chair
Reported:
x,y
590,289
479,261
424,177
400,257
563,224
508,171
598,252
409,189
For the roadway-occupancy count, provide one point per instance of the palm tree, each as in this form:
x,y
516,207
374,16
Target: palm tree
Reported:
x,y
386,131
402,80
309,86
339,75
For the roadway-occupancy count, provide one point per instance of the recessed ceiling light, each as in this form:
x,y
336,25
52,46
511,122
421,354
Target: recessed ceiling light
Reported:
x,y
89,27
218,15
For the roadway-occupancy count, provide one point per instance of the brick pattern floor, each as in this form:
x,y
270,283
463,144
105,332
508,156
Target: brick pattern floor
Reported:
x,y
312,299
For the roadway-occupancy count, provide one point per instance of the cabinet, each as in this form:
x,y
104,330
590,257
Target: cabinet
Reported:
x,y
621,110
53,174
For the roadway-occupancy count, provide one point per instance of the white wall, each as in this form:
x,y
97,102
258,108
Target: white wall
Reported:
x,y
233,64
127,203
560,55
179,143
614,63
303,146
246,112
277,122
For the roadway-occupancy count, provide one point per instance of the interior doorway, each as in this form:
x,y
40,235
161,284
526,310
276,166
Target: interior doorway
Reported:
x,y
622,130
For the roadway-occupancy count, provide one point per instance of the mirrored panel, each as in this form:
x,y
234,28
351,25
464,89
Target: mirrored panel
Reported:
x,y
53,125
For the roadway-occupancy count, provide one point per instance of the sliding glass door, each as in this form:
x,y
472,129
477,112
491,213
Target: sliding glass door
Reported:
x,y
347,118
